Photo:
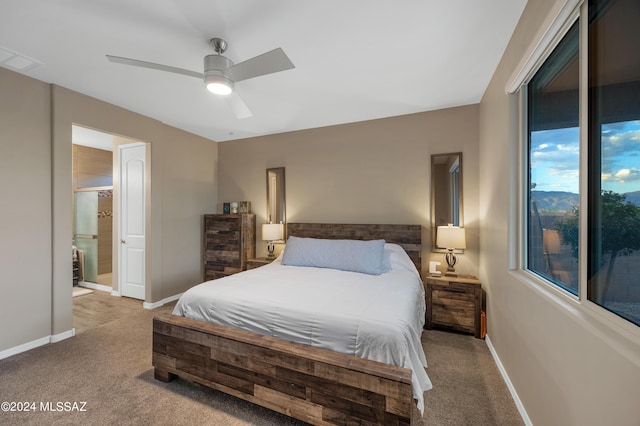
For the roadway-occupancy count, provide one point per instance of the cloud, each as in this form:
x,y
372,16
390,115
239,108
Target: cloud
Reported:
x,y
620,142
554,157
558,157
622,176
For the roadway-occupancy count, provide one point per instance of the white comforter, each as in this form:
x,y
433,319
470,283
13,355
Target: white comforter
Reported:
x,y
374,317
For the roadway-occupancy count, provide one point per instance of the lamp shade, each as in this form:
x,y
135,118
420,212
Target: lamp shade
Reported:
x,y
451,237
272,231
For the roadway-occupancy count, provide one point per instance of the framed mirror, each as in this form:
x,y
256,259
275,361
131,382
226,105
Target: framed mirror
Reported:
x,y
276,201
446,193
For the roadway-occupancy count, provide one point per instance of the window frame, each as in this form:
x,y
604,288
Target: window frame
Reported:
x,y
598,318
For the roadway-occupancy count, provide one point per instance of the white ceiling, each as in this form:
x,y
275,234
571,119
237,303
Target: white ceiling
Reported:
x,y
355,60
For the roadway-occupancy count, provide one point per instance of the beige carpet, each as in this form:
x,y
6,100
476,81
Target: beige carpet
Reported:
x,y
109,368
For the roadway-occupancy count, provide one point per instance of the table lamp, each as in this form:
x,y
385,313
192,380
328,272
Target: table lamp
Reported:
x,y
272,232
451,237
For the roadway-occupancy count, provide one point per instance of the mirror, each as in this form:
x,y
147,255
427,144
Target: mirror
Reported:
x,y
276,196
446,193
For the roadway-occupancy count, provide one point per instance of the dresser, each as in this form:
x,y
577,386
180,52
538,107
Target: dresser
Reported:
x,y
455,303
228,241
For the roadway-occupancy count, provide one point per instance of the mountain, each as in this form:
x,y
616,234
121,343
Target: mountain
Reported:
x,y
558,201
633,197
555,201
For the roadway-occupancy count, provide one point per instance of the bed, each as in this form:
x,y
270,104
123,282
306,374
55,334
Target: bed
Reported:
x,y
318,354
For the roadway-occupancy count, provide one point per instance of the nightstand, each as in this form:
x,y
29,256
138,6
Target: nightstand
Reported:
x,y
455,303
258,262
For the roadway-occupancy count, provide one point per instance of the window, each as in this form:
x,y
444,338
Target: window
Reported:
x,y
553,179
554,222
613,280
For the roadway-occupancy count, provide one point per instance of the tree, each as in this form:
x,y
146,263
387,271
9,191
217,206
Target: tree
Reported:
x,y
619,225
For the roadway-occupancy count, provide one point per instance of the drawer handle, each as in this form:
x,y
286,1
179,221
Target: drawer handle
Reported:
x,y
454,290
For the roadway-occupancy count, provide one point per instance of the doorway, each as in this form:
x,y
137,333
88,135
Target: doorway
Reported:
x,y
97,211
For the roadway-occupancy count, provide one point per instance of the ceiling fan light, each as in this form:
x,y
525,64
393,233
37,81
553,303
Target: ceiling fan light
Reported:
x,y
219,84
219,88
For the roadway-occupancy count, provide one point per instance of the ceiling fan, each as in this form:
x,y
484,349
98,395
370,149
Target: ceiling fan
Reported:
x,y
221,74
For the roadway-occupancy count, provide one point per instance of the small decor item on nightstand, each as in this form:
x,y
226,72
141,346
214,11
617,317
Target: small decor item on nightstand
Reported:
x,y
234,208
272,232
244,207
451,237
433,271
226,208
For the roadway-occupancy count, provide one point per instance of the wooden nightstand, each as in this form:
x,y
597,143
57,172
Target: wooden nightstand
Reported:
x,y
258,262
455,303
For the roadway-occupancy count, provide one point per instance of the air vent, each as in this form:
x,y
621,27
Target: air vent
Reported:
x,y
16,61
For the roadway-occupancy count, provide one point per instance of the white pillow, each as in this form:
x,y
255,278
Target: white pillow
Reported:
x,y
346,255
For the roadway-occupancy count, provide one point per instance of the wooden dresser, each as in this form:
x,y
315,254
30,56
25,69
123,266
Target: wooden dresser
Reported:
x,y
455,304
229,240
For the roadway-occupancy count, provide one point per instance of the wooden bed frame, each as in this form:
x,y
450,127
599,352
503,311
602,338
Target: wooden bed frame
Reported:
x,y
314,385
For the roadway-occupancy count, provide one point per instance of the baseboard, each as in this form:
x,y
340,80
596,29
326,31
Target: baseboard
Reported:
x,y
507,380
25,347
37,343
95,286
161,302
62,336
118,294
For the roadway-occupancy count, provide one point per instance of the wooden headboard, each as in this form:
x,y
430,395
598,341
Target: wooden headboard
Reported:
x,y
409,237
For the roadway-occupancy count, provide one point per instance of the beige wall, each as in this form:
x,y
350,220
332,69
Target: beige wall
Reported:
x,y
25,218
35,139
369,172
566,366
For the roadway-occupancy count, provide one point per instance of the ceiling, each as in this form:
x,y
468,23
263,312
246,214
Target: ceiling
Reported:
x,y
354,60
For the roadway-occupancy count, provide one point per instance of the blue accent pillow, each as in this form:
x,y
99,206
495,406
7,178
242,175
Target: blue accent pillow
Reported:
x,y
366,257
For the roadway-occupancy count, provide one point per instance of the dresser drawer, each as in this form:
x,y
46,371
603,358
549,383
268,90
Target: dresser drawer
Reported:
x,y
452,306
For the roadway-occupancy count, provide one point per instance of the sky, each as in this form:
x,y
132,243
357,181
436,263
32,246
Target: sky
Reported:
x,y
555,158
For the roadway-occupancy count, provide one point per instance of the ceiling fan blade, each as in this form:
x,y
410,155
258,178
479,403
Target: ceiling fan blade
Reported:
x,y
154,66
237,105
267,63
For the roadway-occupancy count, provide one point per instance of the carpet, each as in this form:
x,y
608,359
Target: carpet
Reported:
x,y
107,371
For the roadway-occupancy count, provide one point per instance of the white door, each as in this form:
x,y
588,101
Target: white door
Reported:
x,y
131,276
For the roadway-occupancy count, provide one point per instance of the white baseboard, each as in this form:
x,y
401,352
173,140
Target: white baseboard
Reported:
x,y
95,286
70,333
161,302
507,380
62,336
37,343
25,347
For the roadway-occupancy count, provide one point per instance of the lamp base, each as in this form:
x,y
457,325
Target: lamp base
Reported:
x,y
271,248
451,260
